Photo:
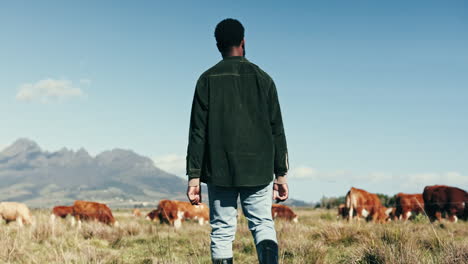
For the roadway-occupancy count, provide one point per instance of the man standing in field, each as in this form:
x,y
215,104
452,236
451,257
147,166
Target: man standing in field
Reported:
x,y
236,144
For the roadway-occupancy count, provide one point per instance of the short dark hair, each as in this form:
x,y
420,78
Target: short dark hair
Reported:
x,y
228,33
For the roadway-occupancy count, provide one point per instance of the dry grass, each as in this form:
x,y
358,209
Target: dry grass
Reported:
x,y
317,238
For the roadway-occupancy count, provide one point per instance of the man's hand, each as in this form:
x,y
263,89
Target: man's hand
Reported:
x,y
194,194
280,192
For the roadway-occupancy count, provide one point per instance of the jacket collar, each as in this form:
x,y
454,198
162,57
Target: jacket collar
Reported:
x,y
236,58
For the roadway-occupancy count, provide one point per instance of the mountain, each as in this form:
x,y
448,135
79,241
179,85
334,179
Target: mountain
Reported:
x,y
118,177
297,203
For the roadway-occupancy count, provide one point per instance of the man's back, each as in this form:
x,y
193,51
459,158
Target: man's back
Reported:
x,y
236,143
243,124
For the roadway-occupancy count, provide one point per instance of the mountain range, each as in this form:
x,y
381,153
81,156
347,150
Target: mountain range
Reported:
x,y
118,177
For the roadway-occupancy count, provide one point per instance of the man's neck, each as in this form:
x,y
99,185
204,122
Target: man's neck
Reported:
x,y
236,52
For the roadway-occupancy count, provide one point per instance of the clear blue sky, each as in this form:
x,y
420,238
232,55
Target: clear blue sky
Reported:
x,y
374,93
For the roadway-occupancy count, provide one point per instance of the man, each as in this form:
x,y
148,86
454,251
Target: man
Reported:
x,y
236,144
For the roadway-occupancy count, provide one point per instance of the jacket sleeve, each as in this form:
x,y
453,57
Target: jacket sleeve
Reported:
x,y
197,130
281,162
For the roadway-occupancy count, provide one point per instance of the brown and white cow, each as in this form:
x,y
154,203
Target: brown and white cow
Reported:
x,y
200,213
442,199
407,205
361,203
391,211
86,210
342,211
283,212
153,215
175,212
13,211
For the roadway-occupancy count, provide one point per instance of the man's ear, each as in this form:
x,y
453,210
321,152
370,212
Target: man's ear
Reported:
x,y
242,44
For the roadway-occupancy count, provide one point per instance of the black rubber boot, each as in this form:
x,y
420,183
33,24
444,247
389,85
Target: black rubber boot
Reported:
x,y
222,261
267,251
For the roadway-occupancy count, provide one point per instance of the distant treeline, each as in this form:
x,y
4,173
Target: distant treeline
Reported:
x,y
333,202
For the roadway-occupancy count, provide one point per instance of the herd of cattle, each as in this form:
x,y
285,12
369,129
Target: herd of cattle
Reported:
x,y
168,211
436,202
174,212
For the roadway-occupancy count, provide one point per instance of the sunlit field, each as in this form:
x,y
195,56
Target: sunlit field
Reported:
x,y
318,238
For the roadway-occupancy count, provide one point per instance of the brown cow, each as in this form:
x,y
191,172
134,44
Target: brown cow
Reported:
x,y
361,203
441,199
19,212
174,212
62,211
136,212
407,205
283,212
85,210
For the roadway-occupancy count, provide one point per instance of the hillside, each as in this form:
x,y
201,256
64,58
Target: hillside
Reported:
x,y
118,177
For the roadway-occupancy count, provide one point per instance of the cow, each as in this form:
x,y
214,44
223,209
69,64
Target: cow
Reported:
x,y
13,211
361,203
200,213
342,211
136,212
62,211
391,213
86,210
407,205
283,212
442,199
168,211
174,212
153,215
386,213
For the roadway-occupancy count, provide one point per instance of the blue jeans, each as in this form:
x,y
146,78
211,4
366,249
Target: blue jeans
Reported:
x,y
256,205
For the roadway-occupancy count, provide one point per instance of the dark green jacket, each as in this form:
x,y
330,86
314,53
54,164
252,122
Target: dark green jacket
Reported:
x,y
236,135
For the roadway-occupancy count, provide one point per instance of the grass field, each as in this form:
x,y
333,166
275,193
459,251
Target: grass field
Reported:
x,y
317,238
